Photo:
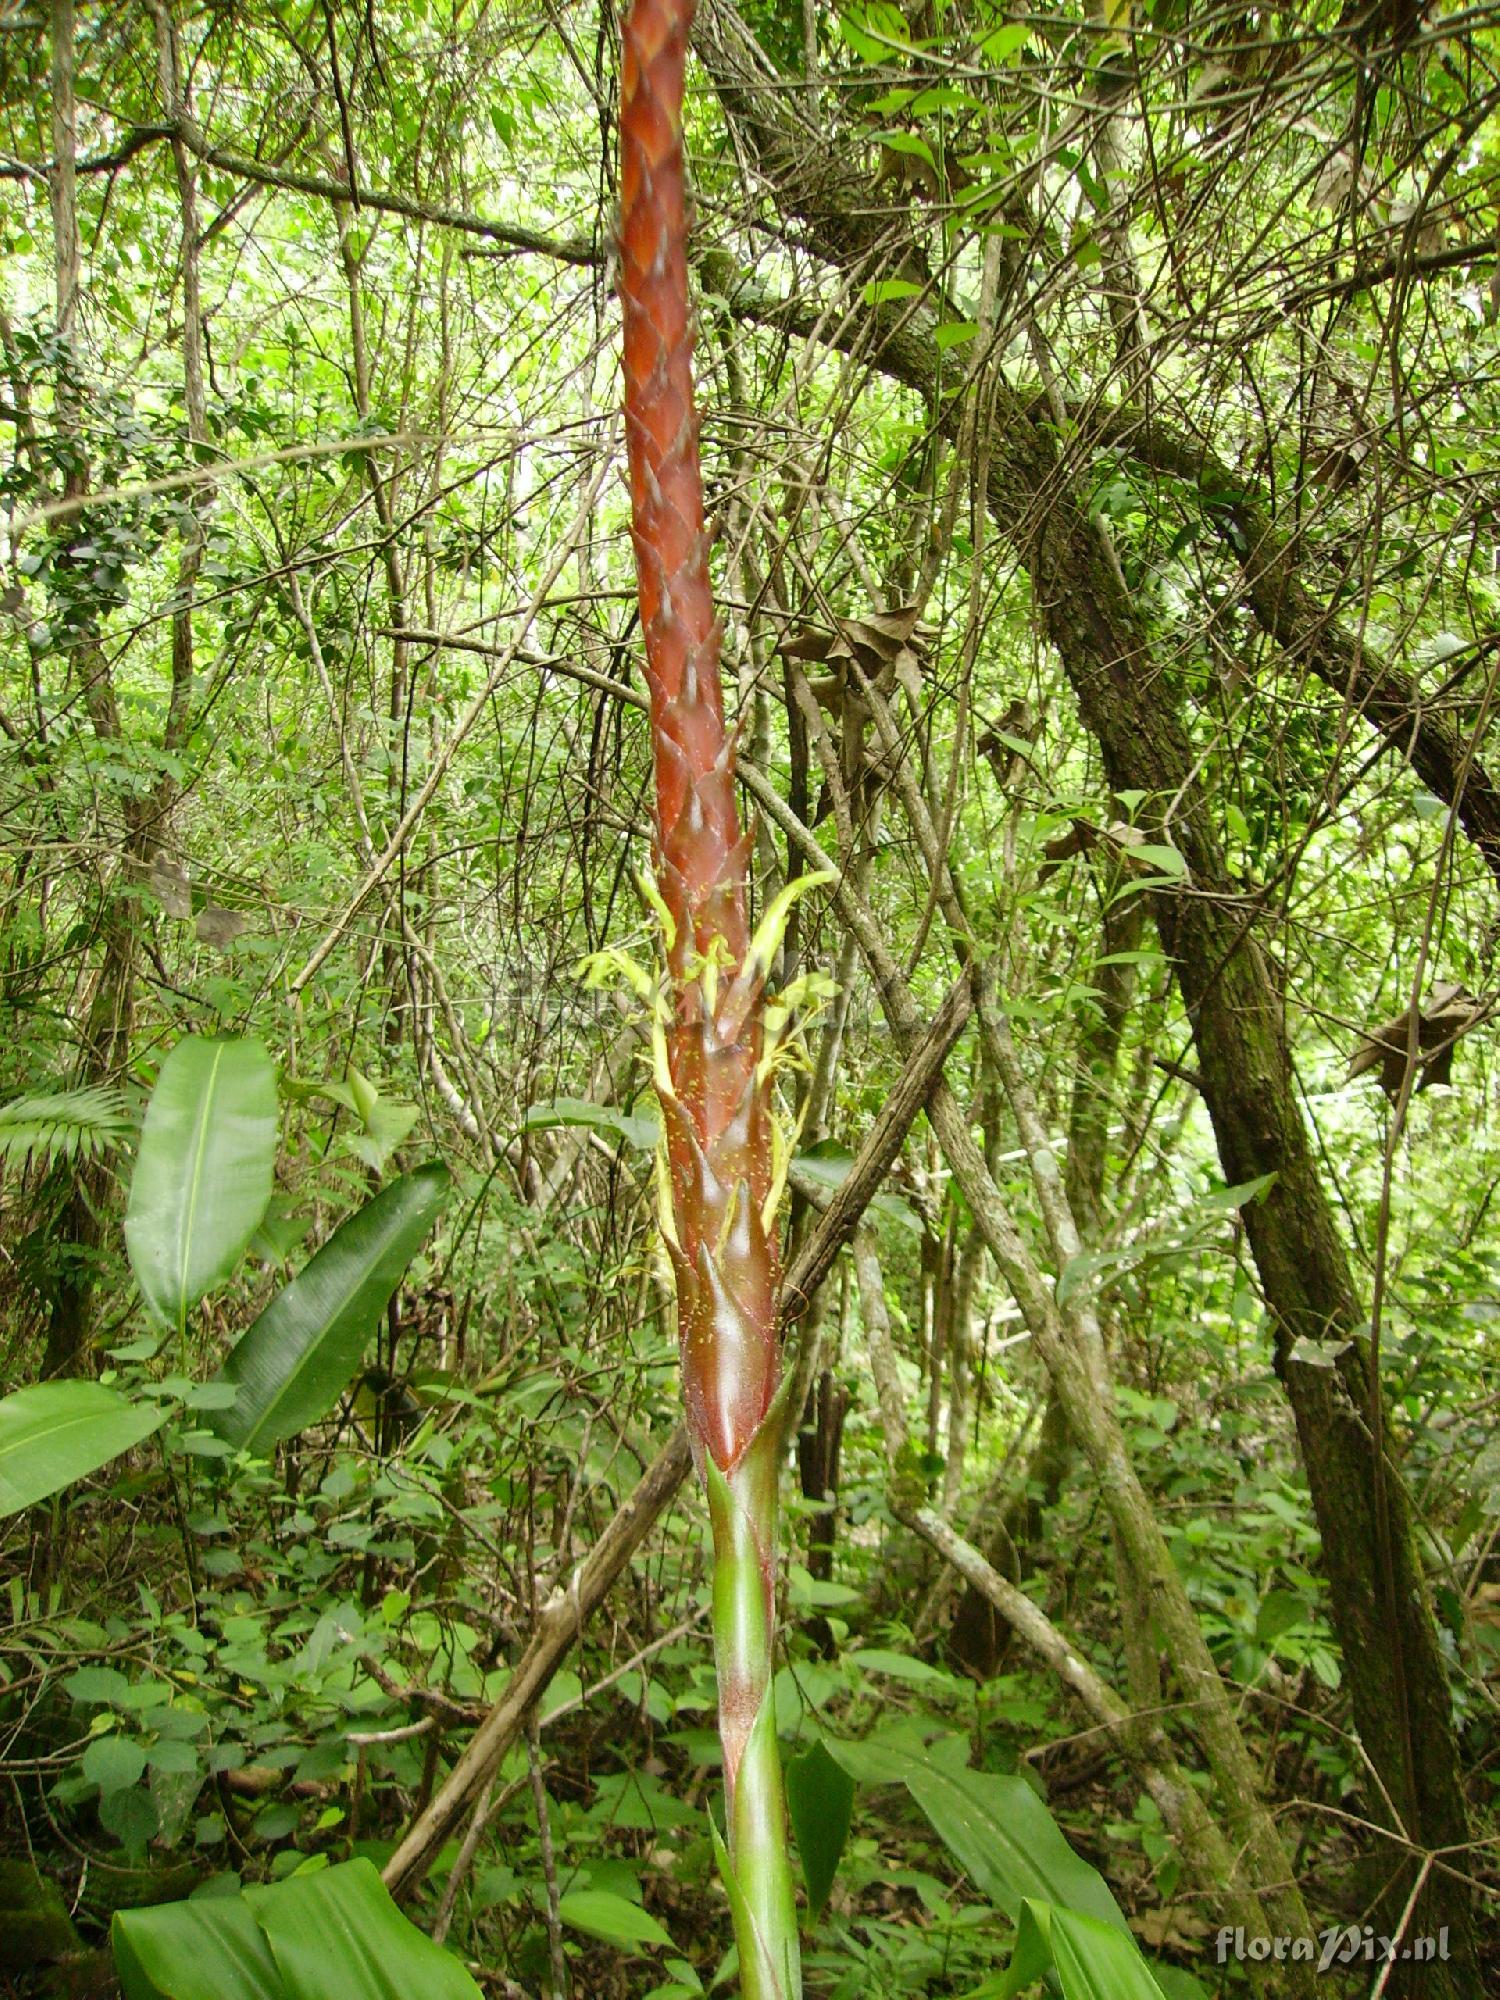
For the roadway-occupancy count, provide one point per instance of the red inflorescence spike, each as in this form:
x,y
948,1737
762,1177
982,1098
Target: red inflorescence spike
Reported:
x,y
719,1130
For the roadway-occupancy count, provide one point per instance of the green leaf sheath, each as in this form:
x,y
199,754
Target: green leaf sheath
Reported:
x,y
742,1511
716,1111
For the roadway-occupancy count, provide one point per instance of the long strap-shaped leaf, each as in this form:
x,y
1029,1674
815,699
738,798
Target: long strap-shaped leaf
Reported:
x,y
203,1175
334,1935
291,1366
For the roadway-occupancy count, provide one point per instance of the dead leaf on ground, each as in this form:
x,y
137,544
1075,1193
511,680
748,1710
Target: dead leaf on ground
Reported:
x,y
1169,1929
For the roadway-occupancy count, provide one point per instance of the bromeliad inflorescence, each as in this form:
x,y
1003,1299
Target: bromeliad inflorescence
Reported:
x,y
716,1039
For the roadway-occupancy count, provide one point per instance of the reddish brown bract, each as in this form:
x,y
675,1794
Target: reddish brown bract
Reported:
x,y
717,1114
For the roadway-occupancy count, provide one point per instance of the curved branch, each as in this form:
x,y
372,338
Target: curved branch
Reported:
x,y
1309,631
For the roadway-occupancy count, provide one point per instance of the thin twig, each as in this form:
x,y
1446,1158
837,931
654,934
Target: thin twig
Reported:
x,y
549,1860
176,482
1406,1915
456,1874
404,1734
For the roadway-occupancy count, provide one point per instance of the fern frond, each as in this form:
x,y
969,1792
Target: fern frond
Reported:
x,y
70,1125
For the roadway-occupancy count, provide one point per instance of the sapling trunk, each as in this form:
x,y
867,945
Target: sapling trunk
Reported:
x,y
719,1166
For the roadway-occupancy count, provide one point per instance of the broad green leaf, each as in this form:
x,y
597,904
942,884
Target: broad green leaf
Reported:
x,y
1096,1962
900,1667
879,290
918,148
1167,859
946,97
1004,1838
331,1935
130,1814
291,1366
280,1233
202,1179
385,1121
113,1763
1092,1961
106,1684
1226,1199
212,1949
55,1432
874,29
825,1167
1176,1984
638,1129
1003,45
601,1914
1280,1611
1030,1961
337,1935
994,1826
386,1127
173,1755
820,1799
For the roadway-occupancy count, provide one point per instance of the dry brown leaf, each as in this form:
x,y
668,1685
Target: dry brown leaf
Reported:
x,y
1448,1013
1078,839
1169,1929
220,927
873,641
171,888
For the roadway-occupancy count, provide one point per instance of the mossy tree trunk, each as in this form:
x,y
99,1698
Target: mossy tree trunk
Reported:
x,y
1381,1611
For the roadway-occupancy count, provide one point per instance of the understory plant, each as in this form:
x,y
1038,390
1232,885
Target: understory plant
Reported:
x,y
720,1163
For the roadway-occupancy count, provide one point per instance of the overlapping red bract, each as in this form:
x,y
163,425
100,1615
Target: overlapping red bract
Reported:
x,y
718,1126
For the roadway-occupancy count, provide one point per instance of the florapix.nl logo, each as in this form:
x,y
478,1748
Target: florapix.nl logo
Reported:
x,y
1338,1945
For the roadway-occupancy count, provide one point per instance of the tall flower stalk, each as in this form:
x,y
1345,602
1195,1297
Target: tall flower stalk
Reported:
x,y
715,1039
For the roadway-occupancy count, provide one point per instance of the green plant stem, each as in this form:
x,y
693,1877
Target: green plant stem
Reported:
x,y
743,1514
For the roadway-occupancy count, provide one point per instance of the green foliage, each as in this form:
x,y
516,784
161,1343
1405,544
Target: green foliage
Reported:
x,y
333,1934
290,1366
203,1173
601,1914
1091,1960
195,1635
820,1799
995,1826
70,1125
52,1433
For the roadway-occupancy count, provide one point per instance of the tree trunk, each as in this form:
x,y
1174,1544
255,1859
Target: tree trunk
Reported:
x,y
1388,1638
1398,1687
